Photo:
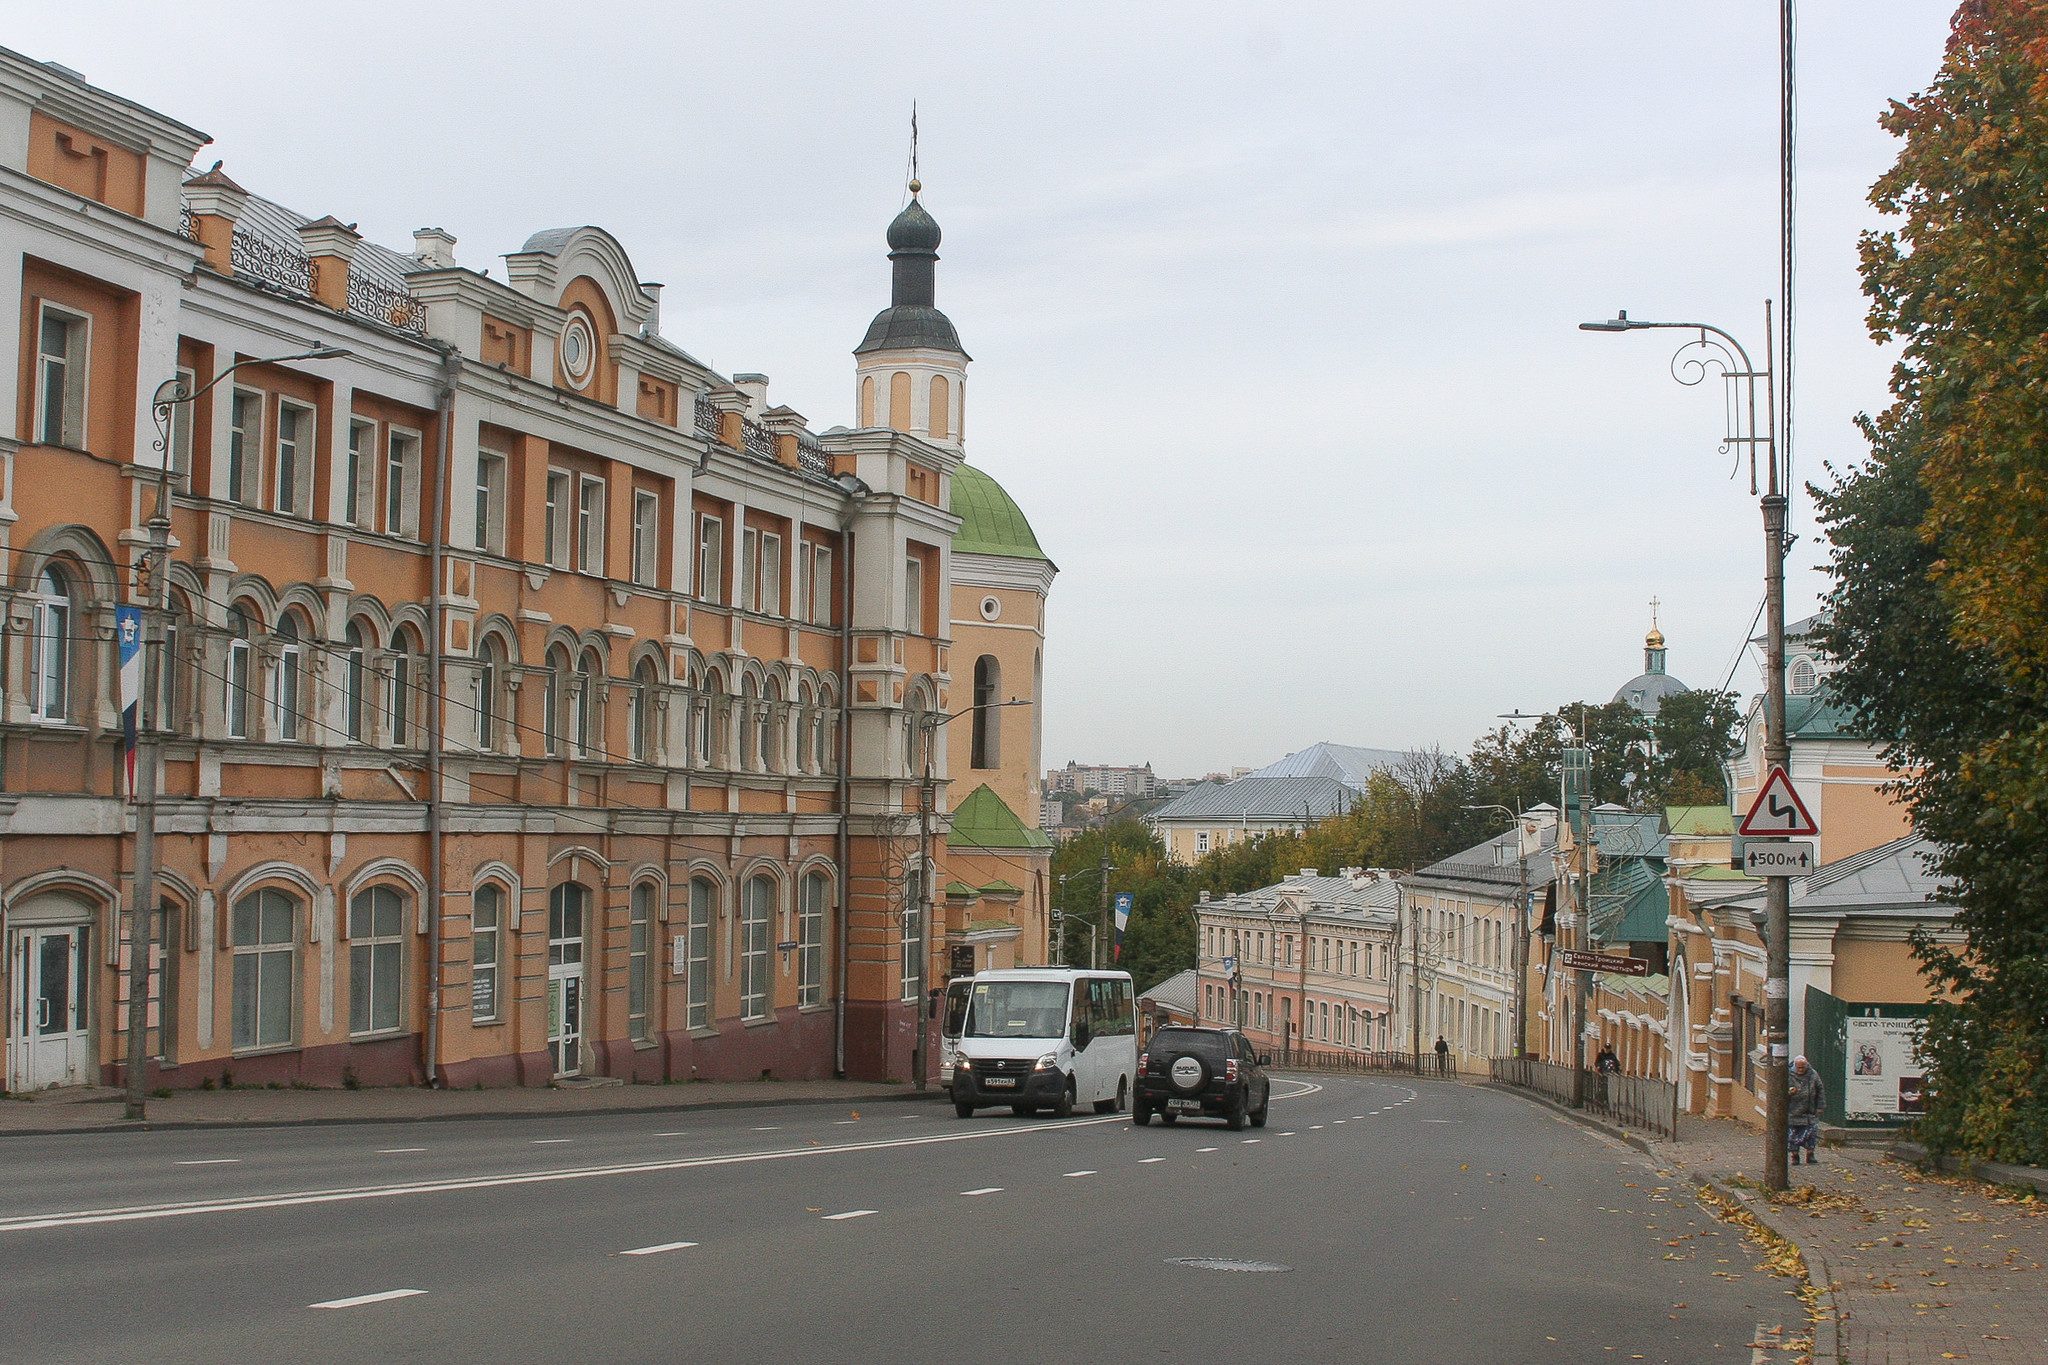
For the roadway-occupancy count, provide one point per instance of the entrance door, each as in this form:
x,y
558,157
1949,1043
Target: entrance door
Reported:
x,y
565,978
53,971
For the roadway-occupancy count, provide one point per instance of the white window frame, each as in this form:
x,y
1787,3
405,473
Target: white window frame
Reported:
x,y
757,919
710,559
769,578
376,961
485,937
258,948
913,595
50,653
811,910
74,377
556,552
590,524
490,500
750,569
287,685
824,607
913,933
245,446
296,456
360,490
235,689
401,467
644,899
697,980
646,537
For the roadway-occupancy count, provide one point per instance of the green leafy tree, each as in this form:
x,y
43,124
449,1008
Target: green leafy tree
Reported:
x,y
1692,733
1940,555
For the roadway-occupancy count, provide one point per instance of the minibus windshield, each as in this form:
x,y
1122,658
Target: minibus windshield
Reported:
x,y
956,1009
1018,1009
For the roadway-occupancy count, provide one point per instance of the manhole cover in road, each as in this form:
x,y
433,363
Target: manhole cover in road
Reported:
x,y
1227,1263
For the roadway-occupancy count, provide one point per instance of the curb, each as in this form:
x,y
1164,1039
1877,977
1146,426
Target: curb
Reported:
x,y
1618,1134
1827,1330
1990,1172
190,1125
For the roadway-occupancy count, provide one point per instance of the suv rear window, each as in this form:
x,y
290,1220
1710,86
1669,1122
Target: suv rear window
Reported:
x,y
1204,1043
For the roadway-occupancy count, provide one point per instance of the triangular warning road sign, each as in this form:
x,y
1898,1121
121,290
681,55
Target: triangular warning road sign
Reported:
x,y
1778,811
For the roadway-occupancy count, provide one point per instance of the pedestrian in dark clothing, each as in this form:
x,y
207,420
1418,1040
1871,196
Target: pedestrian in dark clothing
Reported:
x,y
1443,1055
1806,1098
1606,1062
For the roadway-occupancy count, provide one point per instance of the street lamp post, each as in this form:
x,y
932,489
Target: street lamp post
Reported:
x,y
1691,364
926,804
169,397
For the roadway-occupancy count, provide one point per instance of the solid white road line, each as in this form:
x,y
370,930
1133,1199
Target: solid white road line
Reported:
x,y
137,1212
856,1213
650,1251
394,1151
359,1300
1071,1174
215,1161
986,1189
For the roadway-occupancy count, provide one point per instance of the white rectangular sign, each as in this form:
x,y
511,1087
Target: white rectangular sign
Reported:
x,y
1885,1075
1782,858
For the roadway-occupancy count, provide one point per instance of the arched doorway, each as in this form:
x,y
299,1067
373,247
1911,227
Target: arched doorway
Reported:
x,y
566,905
49,1010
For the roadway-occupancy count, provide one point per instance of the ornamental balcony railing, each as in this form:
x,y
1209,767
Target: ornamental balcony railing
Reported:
x,y
380,303
756,440
292,271
811,456
706,417
274,264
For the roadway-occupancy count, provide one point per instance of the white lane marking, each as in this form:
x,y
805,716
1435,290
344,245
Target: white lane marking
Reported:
x,y
842,1123
1287,1134
649,1251
549,1142
359,1300
1259,1139
679,1133
1071,1174
986,1189
394,1151
1339,1121
856,1213
768,1130
1147,1161
136,1212
1307,1088
1205,1149
1440,1120
215,1161
1314,1126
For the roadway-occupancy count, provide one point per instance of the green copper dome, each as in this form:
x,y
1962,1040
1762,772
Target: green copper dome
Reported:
x,y
991,523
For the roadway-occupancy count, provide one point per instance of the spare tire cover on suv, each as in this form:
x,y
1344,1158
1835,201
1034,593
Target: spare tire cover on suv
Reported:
x,y
1188,1072
1196,1055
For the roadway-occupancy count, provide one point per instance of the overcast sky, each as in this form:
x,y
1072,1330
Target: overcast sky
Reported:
x,y
1272,308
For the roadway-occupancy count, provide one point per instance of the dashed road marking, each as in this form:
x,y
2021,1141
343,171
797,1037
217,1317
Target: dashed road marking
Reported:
x,y
986,1189
660,1247
852,1213
394,1151
1071,1174
549,1142
1287,1134
215,1161
776,1129
1147,1161
359,1300
1260,1139
1205,1149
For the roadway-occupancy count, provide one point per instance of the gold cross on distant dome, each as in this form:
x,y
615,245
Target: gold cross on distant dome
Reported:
x,y
1653,613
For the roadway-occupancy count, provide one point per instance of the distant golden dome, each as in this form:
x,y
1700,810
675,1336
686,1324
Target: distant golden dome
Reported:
x,y
1654,640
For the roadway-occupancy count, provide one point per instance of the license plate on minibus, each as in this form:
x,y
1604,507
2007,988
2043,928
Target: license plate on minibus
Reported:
x,y
1001,1082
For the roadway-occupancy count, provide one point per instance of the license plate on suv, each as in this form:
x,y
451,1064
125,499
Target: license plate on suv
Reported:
x,y
1185,1106
1001,1082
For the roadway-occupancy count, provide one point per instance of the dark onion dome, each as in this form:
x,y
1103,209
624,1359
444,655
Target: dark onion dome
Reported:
x,y
912,320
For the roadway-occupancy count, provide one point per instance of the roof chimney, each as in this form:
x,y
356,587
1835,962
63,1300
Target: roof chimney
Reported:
x,y
433,248
651,327
755,387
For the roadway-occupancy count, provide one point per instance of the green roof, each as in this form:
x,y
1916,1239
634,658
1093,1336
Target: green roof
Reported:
x,y
1699,822
1819,715
983,820
991,523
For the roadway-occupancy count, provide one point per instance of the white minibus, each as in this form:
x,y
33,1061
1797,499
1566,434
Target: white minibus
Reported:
x,y
1046,1038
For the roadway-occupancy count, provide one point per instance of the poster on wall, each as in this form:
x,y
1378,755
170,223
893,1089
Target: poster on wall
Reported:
x,y
1885,1075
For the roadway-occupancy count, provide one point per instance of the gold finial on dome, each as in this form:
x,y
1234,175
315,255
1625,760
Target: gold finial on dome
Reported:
x,y
915,187
1655,639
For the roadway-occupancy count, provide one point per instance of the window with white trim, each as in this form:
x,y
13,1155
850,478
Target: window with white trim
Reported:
x,y
703,897
823,609
640,723
646,538
402,484
770,576
181,430
61,351
359,488
486,920
263,932
235,692
556,552
291,479
355,667
750,564
710,559
913,595
639,963
913,933
490,501
810,938
1201,842
287,681
245,445
757,913
590,525
376,961
49,672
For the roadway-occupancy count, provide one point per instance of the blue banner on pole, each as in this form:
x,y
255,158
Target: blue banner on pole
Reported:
x,y
1123,917
128,639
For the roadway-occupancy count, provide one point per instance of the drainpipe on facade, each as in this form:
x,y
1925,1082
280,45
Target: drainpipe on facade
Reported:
x,y
437,613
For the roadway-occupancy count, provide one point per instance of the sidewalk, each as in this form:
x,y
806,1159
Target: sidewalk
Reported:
x,y
1924,1268
99,1110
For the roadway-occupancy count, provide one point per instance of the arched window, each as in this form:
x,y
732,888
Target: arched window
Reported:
x,y
703,899
555,701
263,929
899,401
486,924
750,750
490,676
867,401
376,961
589,728
1804,678
236,691
803,719
405,679
757,911
168,693
988,722
767,720
50,649
941,412
810,937
708,702
645,683
287,681
352,681
645,914
828,721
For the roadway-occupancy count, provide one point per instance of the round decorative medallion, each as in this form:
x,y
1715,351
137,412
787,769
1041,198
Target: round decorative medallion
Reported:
x,y
991,608
579,347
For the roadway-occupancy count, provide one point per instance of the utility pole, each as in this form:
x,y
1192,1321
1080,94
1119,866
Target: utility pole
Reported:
x,y
1415,983
1102,911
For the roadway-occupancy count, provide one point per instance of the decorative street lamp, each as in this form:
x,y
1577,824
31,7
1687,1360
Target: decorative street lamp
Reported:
x,y
1690,365
170,396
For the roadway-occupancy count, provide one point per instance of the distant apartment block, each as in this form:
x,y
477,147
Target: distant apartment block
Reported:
x,y
1109,781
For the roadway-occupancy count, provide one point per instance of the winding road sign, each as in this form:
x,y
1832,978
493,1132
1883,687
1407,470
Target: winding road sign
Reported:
x,y
1778,812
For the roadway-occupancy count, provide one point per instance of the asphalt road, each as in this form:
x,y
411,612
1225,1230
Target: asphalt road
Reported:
x,y
1424,1223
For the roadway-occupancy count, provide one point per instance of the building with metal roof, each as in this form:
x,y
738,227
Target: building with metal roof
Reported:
x,y
1290,794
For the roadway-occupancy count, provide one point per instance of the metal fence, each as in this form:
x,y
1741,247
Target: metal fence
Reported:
x,y
1365,1063
1637,1101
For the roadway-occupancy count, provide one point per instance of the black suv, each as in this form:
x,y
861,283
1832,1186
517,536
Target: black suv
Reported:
x,y
1201,1073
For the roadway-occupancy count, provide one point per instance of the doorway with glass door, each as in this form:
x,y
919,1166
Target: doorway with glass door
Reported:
x,y
566,906
48,1042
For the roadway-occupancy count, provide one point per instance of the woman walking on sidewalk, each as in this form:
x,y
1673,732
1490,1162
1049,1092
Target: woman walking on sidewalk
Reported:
x,y
1806,1097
